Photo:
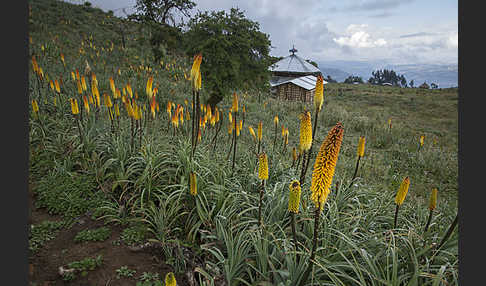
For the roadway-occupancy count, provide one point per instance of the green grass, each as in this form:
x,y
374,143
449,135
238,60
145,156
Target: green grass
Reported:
x,y
98,234
43,232
146,188
82,267
134,234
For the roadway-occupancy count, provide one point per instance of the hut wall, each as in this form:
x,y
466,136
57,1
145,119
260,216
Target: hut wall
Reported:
x,y
290,91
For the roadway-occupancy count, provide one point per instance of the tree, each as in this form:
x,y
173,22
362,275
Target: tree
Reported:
x,y
411,83
161,11
235,52
353,79
424,85
380,77
312,63
329,79
157,15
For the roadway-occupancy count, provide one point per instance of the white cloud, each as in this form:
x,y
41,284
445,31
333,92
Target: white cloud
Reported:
x,y
358,38
453,40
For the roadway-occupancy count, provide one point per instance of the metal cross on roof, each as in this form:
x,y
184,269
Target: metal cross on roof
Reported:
x,y
293,50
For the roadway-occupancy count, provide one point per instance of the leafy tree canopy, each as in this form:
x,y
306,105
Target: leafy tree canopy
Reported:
x,y
353,79
162,11
235,52
380,77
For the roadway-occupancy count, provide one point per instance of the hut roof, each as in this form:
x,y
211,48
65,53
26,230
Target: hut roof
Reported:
x,y
308,82
293,64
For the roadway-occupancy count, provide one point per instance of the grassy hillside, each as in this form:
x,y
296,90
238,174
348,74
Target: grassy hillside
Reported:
x,y
134,174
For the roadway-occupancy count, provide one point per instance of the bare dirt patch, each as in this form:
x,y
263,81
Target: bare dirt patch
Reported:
x,y
60,251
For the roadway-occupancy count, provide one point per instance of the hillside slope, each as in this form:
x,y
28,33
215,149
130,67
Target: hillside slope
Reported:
x,y
120,195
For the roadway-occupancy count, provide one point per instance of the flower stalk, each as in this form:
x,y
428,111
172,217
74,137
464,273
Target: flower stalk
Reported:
x,y
318,101
235,137
361,148
322,175
305,141
448,233
293,208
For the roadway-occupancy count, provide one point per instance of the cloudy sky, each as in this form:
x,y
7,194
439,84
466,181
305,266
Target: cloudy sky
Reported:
x,y
392,31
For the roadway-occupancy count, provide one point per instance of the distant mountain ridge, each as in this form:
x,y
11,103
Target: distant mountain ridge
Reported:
x,y
444,75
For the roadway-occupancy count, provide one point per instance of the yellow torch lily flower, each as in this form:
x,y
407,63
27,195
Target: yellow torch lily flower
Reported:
x,y
252,132
361,146
325,165
234,107
195,72
35,106
319,93
305,131
262,167
74,106
294,196
107,100
86,104
402,191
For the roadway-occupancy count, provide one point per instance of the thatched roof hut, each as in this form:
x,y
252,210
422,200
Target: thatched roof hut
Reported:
x,y
293,78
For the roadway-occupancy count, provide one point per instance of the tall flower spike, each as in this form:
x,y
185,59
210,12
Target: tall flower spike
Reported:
x,y
361,146
234,107
170,279
230,128
294,196
433,199
193,184
107,100
74,106
325,165
86,104
83,83
402,191
262,167
148,87
112,85
35,66
319,93
35,106
305,131
238,129
252,132
152,106
117,110
80,87
195,72
57,86
198,81
93,78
